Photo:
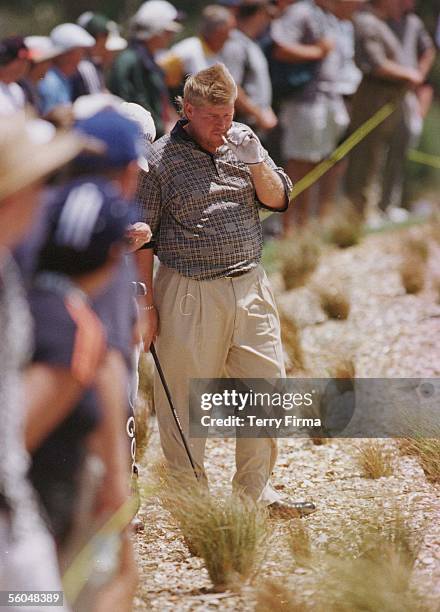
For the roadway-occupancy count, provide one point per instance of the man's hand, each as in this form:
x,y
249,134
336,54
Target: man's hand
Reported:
x,y
415,77
245,144
137,235
150,324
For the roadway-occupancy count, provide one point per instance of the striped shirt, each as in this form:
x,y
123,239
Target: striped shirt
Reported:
x,y
202,208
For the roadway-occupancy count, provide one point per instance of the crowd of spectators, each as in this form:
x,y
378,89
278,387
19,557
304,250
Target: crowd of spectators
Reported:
x,y
80,109
308,73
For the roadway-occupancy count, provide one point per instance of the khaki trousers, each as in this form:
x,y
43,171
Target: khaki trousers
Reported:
x,y
228,327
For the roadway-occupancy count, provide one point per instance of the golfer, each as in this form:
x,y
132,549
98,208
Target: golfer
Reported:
x,y
207,181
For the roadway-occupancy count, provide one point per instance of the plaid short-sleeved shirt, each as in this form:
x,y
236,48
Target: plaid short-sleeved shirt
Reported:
x,y
202,208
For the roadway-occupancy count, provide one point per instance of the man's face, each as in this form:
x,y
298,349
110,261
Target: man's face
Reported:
x,y
15,70
209,123
68,62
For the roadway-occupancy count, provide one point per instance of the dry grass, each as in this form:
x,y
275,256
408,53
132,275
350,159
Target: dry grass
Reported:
x,y
416,245
344,369
414,252
412,274
369,571
229,534
344,229
334,302
275,597
373,584
374,460
146,377
298,258
427,452
291,339
378,575
299,542
144,405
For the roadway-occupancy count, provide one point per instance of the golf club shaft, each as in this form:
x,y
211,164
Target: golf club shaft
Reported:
x,y
173,410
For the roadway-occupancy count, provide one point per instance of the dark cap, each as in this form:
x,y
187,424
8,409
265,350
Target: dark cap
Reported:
x,y
11,48
95,23
229,3
87,218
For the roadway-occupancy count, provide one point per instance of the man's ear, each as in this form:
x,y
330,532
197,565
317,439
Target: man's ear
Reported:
x,y
188,110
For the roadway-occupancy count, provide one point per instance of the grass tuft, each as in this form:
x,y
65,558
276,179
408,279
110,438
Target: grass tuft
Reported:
x,y
374,460
412,274
344,229
298,258
275,597
229,534
334,302
144,408
291,339
427,452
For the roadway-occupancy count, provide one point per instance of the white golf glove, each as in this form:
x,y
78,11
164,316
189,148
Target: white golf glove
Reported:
x,y
245,144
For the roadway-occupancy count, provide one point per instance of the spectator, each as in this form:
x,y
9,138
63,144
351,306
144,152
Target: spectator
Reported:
x,y
231,5
13,67
313,117
56,88
349,76
199,52
202,199
112,175
135,75
63,407
418,53
27,554
386,79
114,45
41,54
90,78
248,65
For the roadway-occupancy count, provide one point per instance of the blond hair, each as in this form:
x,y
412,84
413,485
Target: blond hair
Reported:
x,y
214,85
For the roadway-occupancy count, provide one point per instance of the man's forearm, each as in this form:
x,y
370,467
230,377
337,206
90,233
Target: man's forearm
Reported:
x,y
426,61
298,53
393,71
269,186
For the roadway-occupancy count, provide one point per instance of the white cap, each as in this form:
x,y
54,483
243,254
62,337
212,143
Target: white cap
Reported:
x,y
142,117
69,36
154,17
41,48
88,106
114,41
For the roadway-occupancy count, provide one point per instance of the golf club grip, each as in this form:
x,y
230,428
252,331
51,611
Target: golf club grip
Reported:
x,y
173,410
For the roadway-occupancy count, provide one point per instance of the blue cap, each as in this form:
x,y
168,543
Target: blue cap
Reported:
x,y
120,136
86,218
229,3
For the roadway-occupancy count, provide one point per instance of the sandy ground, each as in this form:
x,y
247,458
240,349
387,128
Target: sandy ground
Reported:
x,y
388,334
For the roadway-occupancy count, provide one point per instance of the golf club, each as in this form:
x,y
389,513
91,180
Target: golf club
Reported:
x,y
173,410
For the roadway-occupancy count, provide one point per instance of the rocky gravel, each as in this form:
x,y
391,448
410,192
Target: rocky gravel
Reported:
x,y
387,334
